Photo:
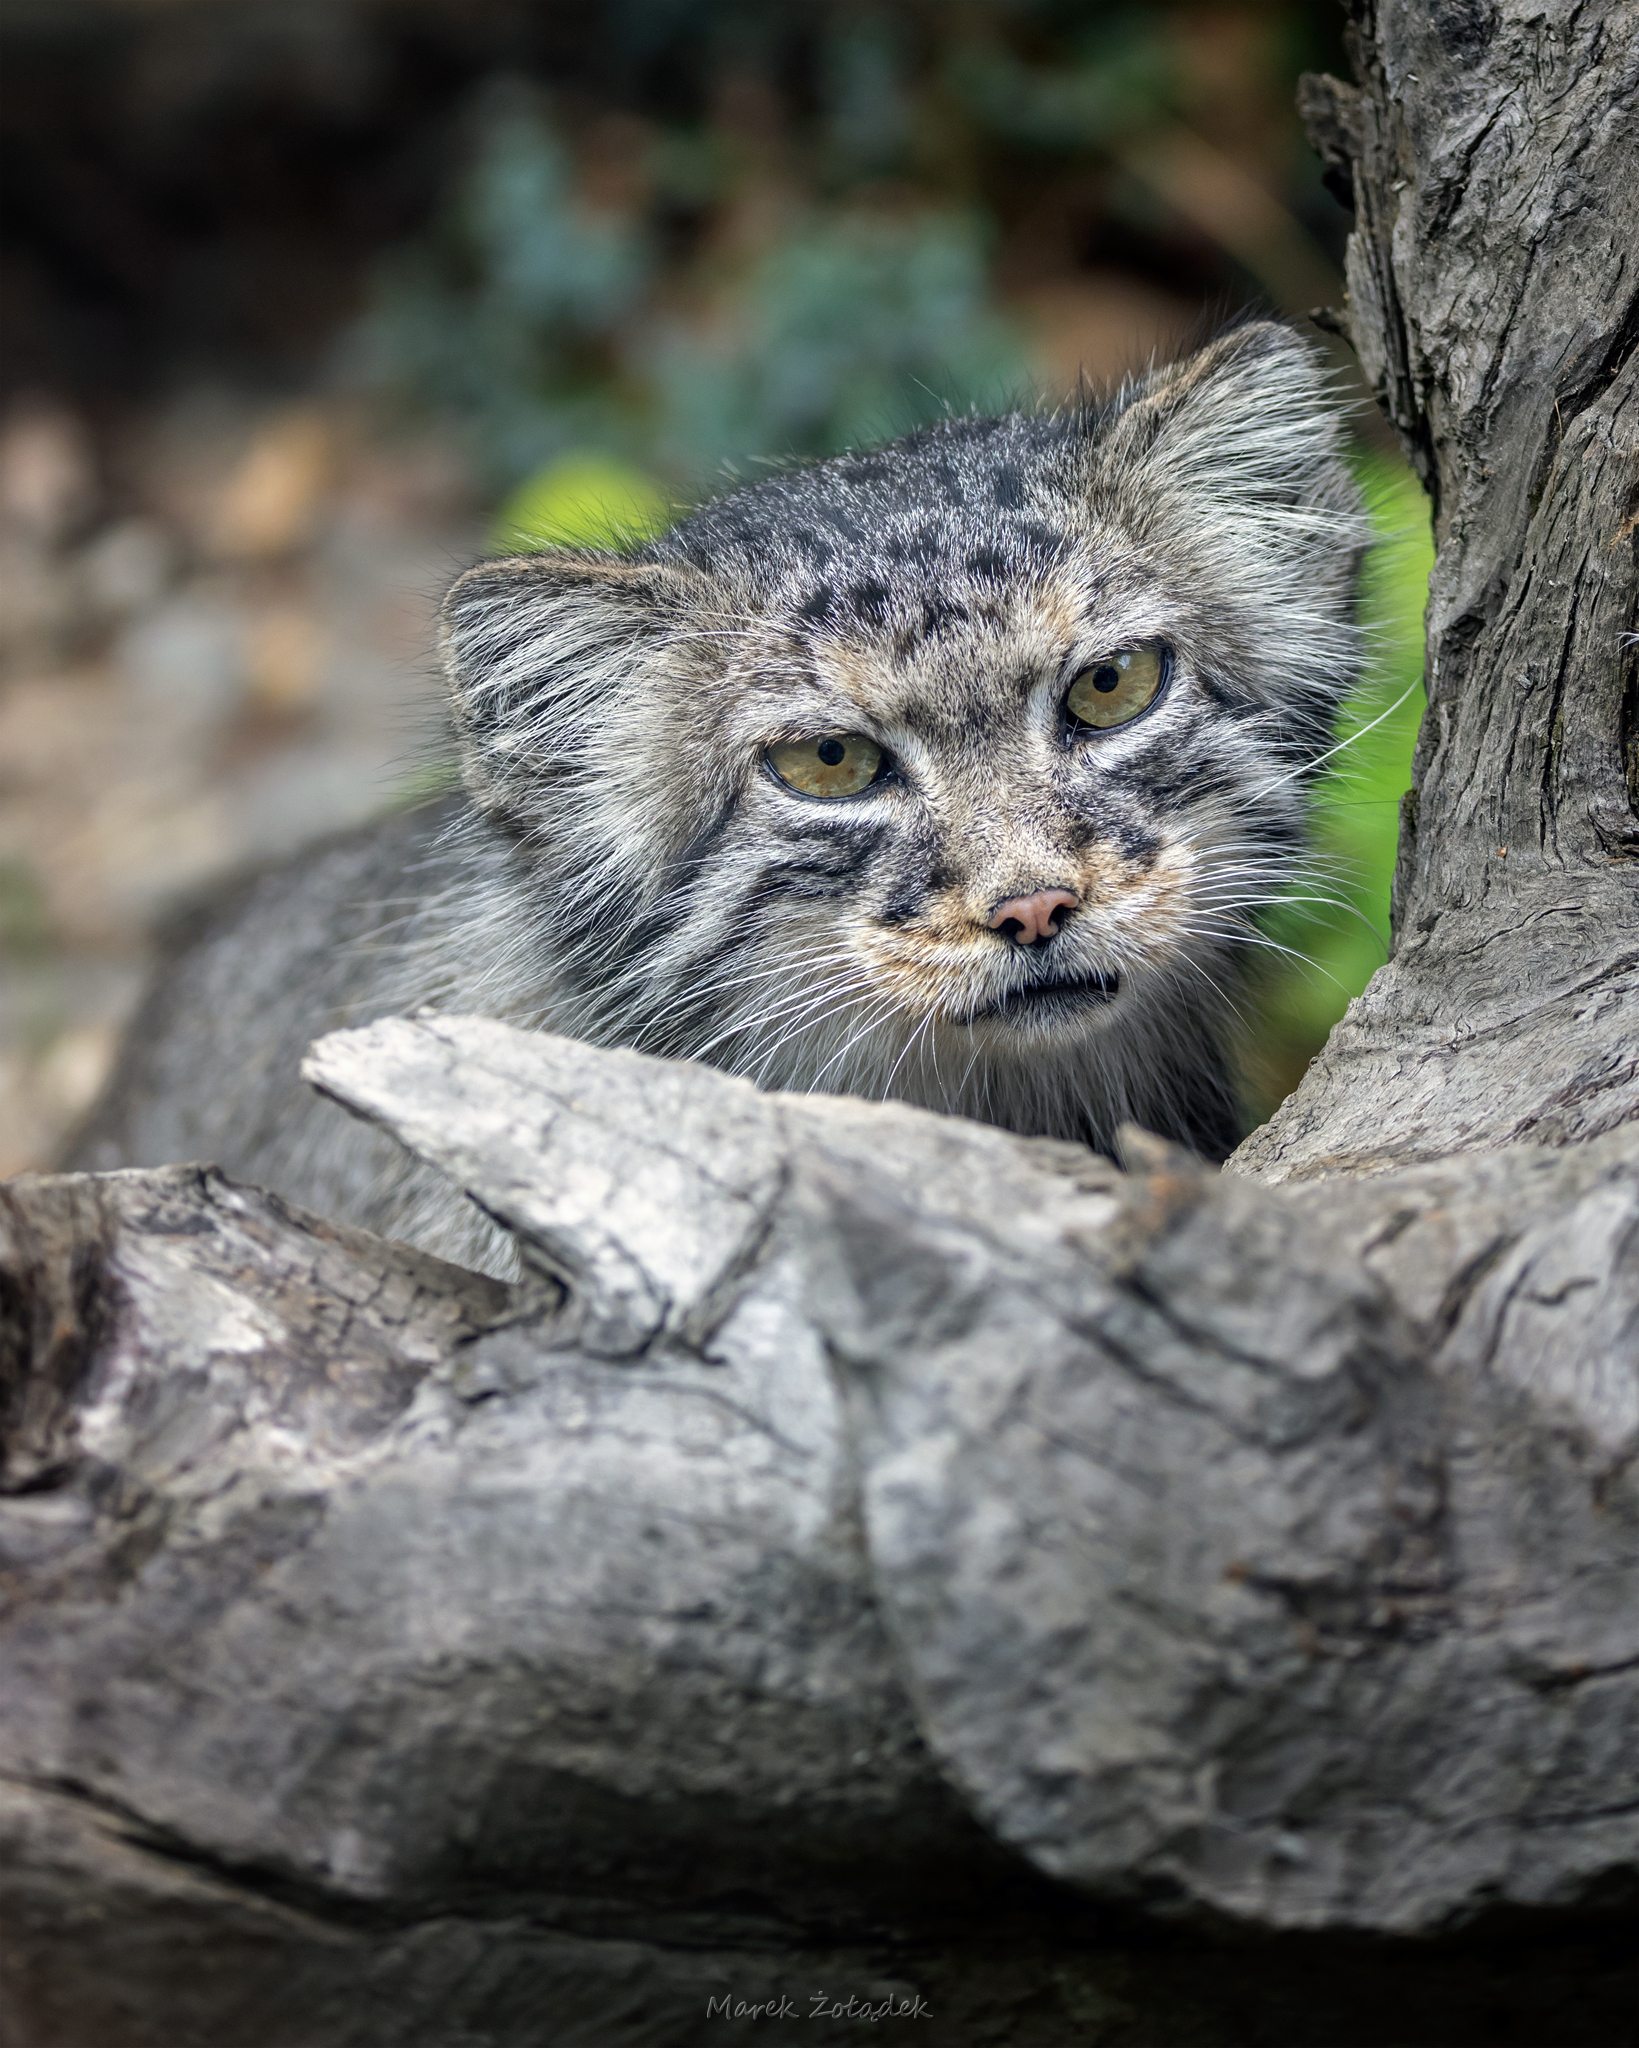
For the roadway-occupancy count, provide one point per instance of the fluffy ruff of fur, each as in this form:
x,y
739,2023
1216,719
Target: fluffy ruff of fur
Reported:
x,y
630,871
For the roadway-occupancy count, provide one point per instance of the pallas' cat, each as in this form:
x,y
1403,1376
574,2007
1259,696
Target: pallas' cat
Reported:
x,y
957,770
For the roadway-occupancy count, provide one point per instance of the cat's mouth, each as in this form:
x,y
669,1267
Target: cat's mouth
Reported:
x,y
1045,1001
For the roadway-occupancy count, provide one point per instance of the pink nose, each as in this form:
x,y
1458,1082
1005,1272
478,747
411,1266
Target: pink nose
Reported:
x,y
1035,916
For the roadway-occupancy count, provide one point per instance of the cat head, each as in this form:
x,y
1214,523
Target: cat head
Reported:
x,y
952,770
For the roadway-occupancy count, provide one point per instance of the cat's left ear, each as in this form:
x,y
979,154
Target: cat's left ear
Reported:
x,y
541,651
1240,451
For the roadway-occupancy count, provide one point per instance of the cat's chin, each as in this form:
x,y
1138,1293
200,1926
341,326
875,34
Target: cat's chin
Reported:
x,y
1045,1009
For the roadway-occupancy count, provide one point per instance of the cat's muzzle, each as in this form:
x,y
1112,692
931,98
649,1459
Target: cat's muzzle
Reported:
x,y
1046,1002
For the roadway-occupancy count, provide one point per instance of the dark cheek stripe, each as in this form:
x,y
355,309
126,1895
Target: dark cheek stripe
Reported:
x,y
905,891
1134,842
702,848
911,873
817,863
1172,774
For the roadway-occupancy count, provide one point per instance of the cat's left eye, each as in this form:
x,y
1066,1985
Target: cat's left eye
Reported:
x,y
837,764
1111,691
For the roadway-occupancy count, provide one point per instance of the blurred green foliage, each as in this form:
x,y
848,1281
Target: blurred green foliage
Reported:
x,y
25,921
584,499
853,329
1335,927
787,235
544,325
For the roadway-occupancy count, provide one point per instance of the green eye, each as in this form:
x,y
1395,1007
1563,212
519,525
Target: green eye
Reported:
x,y
840,764
1117,688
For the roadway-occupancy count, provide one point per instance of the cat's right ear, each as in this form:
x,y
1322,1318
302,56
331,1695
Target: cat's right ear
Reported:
x,y
539,650
1234,463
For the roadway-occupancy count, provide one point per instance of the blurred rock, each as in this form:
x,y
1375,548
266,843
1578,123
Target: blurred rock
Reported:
x,y
184,666
239,660
47,473
36,603
60,1018
127,568
284,658
40,1097
273,499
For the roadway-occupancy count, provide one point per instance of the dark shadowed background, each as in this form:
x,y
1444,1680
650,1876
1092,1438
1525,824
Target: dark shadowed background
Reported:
x,y
303,303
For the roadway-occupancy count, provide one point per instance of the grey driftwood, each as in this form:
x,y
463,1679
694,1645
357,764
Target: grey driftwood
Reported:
x,y
875,1555
848,1502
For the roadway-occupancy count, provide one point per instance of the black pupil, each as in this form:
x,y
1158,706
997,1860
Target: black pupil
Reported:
x,y
831,752
1106,678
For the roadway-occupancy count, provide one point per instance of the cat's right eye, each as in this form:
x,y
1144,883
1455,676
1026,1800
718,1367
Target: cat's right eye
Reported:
x,y
1111,691
837,764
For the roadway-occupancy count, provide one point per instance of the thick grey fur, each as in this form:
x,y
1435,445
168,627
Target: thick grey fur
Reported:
x,y
626,869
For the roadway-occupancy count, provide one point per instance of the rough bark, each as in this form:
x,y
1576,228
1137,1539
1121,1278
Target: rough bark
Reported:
x,y
852,1511
874,1551
1494,303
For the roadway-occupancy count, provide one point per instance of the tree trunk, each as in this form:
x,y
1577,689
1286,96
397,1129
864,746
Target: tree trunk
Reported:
x,y
875,1556
1494,303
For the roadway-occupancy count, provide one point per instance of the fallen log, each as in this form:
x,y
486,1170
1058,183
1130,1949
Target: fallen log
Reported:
x,y
858,1528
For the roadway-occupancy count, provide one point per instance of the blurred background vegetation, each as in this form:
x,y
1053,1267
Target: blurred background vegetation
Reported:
x,y
305,302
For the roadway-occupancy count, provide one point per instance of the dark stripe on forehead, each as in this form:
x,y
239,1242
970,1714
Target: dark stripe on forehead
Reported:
x,y
921,549
940,615
868,601
842,521
810,546
1048,543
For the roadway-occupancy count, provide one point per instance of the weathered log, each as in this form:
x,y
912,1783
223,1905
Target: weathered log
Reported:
x,y
848,1502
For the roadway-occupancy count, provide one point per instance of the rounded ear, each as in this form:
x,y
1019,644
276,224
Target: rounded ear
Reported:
x,y
535,647
1236,456
1250,421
